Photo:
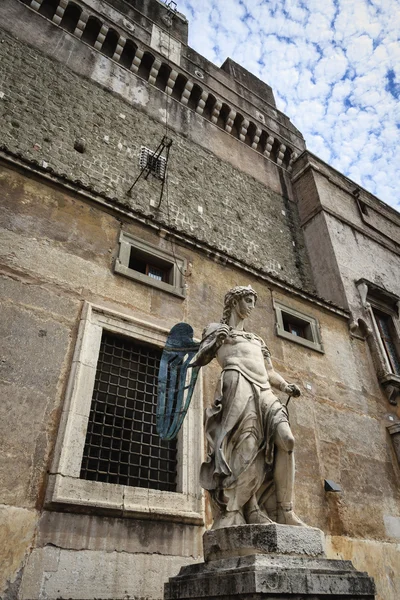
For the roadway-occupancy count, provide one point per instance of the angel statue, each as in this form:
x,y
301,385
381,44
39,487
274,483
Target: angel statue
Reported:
x,y
249,471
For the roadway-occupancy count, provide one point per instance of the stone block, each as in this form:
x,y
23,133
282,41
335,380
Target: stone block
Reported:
x,y
274,577
268,561
54,573
262,539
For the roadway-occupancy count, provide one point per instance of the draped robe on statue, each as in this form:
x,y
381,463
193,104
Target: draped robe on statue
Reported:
x,y
240,426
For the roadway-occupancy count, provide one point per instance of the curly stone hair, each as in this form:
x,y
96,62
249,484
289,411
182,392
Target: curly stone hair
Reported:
x,y
234,294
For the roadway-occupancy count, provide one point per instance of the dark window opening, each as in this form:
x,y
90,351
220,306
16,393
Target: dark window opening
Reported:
x,y
275,150
262,142
208,109
71,17
145,65
297,326
194,97
128,54
286,157
223,115
389,339
122,445
237,125
179,86
91,31
151,266
363,208
251,132
110,43
162,77
48,8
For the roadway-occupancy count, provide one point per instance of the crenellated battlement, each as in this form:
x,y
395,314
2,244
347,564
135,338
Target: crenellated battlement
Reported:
x,y
151,45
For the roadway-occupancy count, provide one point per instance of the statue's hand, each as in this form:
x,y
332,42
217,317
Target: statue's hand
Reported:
x,y
222,333
293,390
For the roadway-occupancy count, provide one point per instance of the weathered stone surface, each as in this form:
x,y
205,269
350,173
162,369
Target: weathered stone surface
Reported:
x,y
59,249
262,539
277,577
17,528
108,534
111,167
57,574
379,560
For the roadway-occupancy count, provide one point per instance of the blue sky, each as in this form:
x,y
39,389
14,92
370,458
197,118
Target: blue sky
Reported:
x,y
334,66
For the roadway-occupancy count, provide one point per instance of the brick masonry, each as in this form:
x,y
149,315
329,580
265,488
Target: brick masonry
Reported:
x,y
47,109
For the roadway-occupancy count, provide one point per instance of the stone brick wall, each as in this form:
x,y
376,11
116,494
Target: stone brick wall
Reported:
x,y
46,110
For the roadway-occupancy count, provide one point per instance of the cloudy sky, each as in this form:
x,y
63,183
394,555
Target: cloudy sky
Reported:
x,y
334,66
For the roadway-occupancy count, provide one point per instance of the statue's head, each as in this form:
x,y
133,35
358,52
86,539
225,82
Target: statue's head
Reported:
x,y
234,297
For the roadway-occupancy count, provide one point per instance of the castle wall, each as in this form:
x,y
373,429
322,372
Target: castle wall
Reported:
x,y
58,251
213,178
354,243
72,125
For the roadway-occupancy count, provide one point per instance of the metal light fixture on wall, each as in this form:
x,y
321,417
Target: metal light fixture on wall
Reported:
x,y
331,486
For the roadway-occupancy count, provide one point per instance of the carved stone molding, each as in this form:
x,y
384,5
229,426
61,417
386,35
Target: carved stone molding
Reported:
x,y
391,387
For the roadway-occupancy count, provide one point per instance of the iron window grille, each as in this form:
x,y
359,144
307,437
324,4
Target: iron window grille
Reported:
x,y
122,446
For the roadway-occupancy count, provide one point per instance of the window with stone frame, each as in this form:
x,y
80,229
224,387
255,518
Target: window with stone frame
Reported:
x,y
297,327
389,339
150,265
108,454
382,308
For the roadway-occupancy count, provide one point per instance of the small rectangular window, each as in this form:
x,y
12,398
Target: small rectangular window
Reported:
x,y
297,327
150,265
380,325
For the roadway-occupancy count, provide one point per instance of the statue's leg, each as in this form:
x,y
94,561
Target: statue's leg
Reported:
x,y
284,475
253,513
246,462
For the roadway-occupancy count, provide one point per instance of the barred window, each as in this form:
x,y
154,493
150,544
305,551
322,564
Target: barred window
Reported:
x,y
108,454
122,445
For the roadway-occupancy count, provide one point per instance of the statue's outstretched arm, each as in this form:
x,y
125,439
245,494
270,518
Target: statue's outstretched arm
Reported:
x,y
213,337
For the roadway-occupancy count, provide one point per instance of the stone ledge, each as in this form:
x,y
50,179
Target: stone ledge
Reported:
x,y
245,540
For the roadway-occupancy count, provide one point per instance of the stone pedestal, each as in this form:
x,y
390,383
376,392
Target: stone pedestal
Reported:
x,y
275,562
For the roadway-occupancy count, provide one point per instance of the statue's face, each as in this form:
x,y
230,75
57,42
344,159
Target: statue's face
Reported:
x,y
244,305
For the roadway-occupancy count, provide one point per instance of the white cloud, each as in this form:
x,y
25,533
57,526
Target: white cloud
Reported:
x,y
328,65
359,49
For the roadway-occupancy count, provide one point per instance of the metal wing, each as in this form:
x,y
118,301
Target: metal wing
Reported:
x,y
176,380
